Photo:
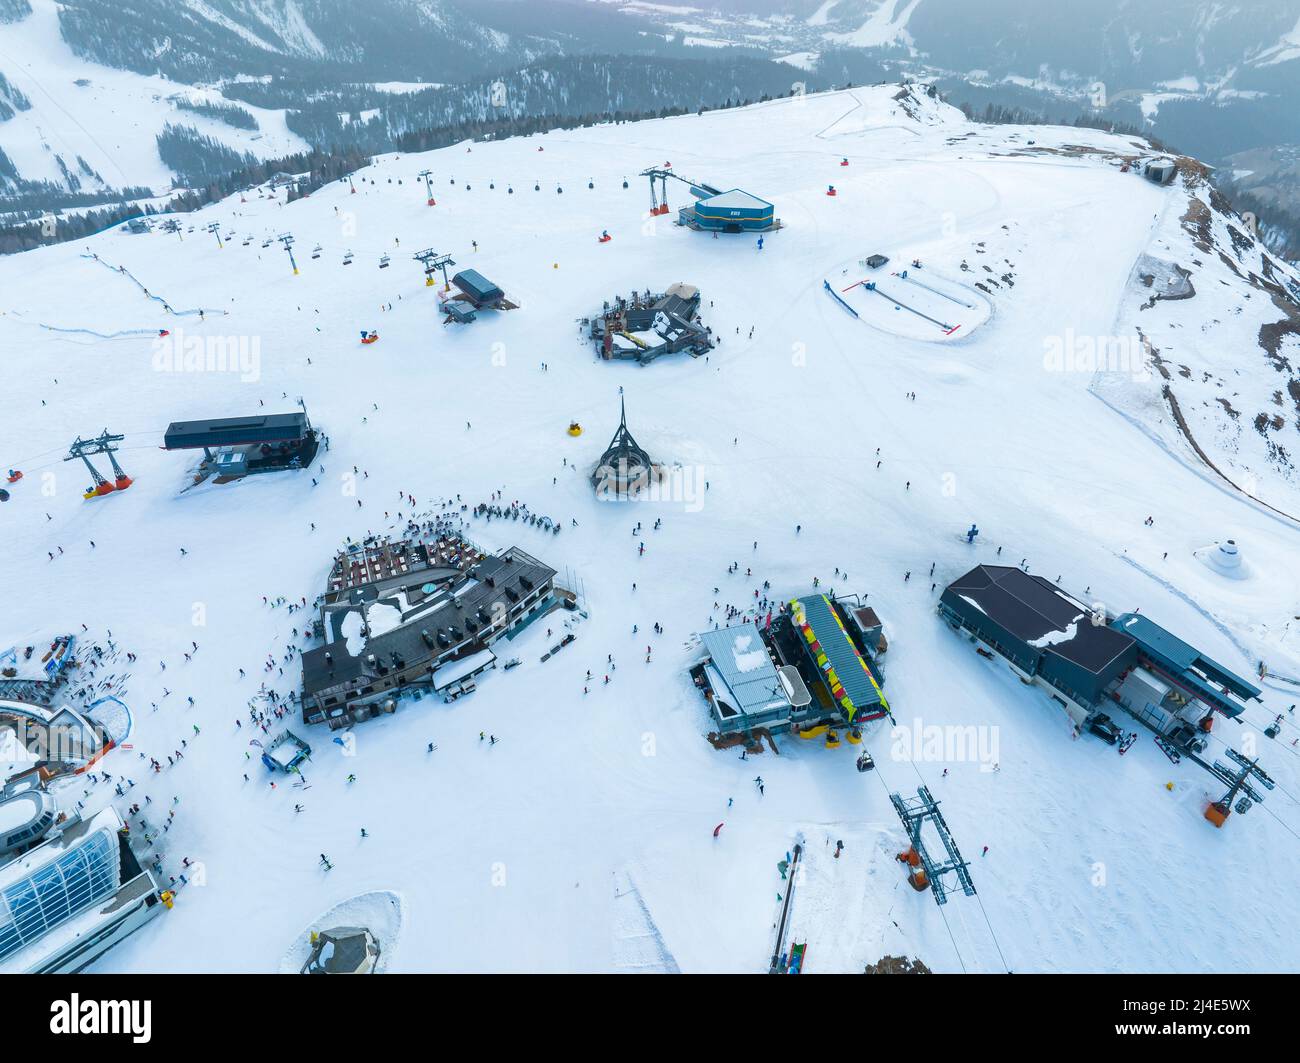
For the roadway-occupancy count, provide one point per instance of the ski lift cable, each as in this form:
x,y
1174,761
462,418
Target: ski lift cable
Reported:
x,y
942,914
29,463
1276,785
1281,822
987,921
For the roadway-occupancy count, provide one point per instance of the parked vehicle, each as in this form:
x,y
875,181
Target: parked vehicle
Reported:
x,y
1104,728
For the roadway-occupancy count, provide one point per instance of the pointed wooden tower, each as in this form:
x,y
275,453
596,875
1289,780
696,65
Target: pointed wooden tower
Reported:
x,y
625,469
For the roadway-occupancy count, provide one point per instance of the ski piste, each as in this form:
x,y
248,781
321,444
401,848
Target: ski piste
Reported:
x,y
783,429
873,286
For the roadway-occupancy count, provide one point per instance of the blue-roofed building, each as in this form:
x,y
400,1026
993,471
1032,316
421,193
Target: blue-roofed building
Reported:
x,y
734,211
823,638
1175,687
1187,666
481,291
743,684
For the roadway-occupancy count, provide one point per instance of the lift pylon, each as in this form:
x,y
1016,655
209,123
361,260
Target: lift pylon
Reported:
x,y
659,198
287,240
432,262
1238,780
923,869
101,444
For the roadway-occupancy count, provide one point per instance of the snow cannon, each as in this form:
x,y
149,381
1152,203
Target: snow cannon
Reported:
x,y
575,429
830,190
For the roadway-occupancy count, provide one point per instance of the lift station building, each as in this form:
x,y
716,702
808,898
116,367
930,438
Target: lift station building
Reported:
x,y
730,212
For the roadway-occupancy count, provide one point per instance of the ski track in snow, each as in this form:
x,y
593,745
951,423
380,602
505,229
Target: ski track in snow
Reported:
x,y
504,855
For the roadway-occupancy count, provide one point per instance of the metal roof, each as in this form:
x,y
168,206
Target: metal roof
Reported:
x,y
839,659
1186,662
1044,618
489,584
741,659
233,431
473,283
735,199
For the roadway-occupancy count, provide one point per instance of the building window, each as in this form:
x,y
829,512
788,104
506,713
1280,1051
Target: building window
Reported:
x,y
32,907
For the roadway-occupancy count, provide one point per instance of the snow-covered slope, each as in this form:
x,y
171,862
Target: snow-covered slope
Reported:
x,y
109,118
1222,318
583,839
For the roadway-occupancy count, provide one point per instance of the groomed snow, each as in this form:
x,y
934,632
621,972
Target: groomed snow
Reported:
x,y
584,838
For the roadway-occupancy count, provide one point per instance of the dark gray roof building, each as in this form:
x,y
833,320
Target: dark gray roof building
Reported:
x,y
1040,629
384,636
236,431
480,290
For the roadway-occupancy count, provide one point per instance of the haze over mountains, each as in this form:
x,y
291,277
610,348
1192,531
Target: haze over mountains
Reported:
x,y
241,79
